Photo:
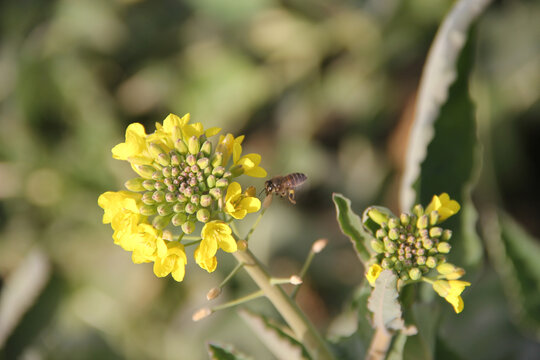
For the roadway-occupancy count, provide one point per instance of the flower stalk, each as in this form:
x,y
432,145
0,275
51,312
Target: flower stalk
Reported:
x,y
303,329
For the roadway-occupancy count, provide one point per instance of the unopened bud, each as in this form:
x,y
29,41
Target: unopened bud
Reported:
x,y
405,219
421,260
181,146
165,209
446,235
194,145
163,159
415,274
380,234
386,263
190,160
319,245
221,183
167,171
188,227
216,193
203,215
211,181
217,159
158,196
427,243
203,163
135,184
179,219
206,148
393,223
206,200
213,293
190,208
393,234
435,232
377,246
390,246
147,198
194,199
175,161
418,210
170,197
147,210
145,171
161,222
201,314
155,149
422,222
218,171
377,216
444,247
433,217
148,184
431,262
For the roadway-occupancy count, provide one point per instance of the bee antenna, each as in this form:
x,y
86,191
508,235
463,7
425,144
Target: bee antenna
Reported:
x,y
261,192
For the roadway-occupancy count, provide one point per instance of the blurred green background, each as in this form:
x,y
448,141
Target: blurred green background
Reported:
x,y
326,88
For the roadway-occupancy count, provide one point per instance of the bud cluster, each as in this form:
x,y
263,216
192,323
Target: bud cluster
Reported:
x,y
412,244
183,185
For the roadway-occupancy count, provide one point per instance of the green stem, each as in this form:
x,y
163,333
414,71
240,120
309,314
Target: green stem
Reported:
x,y
304,331
194,242
303,272
243,299
255,224
233,272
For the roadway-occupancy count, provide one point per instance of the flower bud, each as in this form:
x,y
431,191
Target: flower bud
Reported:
x,y
217,159
319,245
431,262
433,217
446,235
170,197
161,222
390,246
377,216
421,260
218,171
380,234
418,210
182,198
295,280
236,170
145,171
203,215
211,181
201,314
175,160
435,232
377,246
444,247
155,149
190,160
190,208
221,183
135,184
216,193
427,243
213,293
147,198
178,208
393,234
386,263
194,145
158,196
147,210
415,274
188,227
164,209
393,223
179,219
405,219
422,222
206,200
203,163
148,184
206,148
180,145
450,271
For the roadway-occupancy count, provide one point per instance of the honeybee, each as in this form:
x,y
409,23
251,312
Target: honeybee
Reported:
x,y
284,186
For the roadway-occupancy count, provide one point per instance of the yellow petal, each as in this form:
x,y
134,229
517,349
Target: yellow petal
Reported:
x,y
373,273
250,204
233,190
227,243
212,131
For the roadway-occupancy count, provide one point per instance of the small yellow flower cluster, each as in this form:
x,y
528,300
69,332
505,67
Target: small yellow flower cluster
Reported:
x,y
182,182
413,245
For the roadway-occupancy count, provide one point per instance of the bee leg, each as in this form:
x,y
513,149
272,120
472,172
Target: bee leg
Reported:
x,y
291,196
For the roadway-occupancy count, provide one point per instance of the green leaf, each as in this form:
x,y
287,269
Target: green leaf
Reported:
x,y
279,340
515,255
422,345
224,352
351,225
384,304
396,349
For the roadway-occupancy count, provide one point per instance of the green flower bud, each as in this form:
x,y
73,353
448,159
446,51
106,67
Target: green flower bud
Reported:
x,y
216,193
404,276
206,200
418,210
377,216
435,232
194,145
390,246
218,171
377,246
217,159
415,274
446,235
203,163
237,170
157,175
393,234
182,198
147,210
195,199
211,181
158,185
191,160
158,196
167,171
405,219
387,263
178,208
431,262
380,234
427,243
424,233
393,223
221,183
180,145
135,184
206,148
433,217
161,222
444,247
190,208
188,227
155,149
149,184
175,158
147,198
165,209
146,171
421,260
179,219
422,222
203,215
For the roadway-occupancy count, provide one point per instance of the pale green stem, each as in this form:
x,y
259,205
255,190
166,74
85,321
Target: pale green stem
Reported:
x,y
303,272
255,224
304,331
233,272
243,299
189,243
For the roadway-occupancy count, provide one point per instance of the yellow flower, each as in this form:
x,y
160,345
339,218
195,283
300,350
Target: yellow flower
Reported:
x,y
373,273
226,145
144,243
116,203
445,206
238,205
250,165
171,259
215,235
134,148
451,291
450,271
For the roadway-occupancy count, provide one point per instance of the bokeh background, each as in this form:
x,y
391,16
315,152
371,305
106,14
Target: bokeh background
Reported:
x,y
326,88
